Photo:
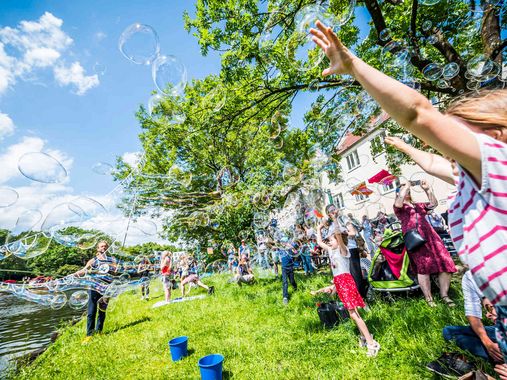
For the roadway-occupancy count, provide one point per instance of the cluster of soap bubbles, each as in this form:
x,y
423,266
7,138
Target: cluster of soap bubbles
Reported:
x,y
299,46
110,280
140,44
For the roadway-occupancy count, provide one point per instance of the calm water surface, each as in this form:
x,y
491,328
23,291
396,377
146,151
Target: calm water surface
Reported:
x,y
27,326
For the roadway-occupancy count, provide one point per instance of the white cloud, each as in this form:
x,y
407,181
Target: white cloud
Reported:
x,y
6,125
40,44
75,75
131,158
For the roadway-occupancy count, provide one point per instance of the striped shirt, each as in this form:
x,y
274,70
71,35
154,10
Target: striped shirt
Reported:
x,y
472,296
478,220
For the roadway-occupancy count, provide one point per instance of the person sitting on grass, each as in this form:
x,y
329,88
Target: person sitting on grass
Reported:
x,y
477,339
167,274
339,258
244,271
188,277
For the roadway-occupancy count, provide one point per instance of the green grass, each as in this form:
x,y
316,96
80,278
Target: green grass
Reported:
x,y
259,337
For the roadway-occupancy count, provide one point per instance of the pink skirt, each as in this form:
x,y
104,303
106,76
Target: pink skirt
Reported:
x,y
190,278
347,291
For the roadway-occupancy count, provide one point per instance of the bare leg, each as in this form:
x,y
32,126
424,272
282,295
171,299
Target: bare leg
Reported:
x,y
202,285
444,281
182,289
363,329
167,290
425,284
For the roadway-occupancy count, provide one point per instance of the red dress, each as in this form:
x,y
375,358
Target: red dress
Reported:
x,y
432,257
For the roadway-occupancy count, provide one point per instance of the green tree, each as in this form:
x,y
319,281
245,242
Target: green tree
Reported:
x,y
224,150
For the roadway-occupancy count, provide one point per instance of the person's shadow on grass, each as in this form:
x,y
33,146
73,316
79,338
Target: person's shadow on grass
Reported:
x,y
130,324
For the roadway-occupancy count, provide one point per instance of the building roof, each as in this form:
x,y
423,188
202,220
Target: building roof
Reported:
x,y
347,142
350,139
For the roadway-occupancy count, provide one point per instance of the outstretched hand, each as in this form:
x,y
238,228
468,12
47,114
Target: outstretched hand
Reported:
x,y
395,142
339,56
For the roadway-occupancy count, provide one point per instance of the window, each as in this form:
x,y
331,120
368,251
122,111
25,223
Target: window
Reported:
x,y
353,160
388,188
377,144
338,201
360,197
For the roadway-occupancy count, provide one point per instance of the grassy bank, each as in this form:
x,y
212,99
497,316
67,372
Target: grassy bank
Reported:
x,y
259,337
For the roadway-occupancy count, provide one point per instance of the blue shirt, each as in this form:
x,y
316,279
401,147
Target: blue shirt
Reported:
x,y
286,258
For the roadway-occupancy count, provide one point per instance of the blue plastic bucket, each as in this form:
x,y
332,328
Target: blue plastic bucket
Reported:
x,y
211,367
178,348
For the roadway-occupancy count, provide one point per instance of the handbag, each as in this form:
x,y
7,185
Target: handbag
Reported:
x,y
413,239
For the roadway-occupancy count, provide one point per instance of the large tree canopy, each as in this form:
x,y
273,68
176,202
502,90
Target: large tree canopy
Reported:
x,y
224,149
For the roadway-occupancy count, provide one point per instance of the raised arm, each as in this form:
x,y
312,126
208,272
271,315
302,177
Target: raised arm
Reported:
x,y
429,192
405,105
319,238
431,163
400,197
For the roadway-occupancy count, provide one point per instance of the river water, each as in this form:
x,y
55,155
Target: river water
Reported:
x,y
26,326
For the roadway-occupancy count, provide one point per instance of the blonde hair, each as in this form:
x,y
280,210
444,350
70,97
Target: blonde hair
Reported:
x,y
487,109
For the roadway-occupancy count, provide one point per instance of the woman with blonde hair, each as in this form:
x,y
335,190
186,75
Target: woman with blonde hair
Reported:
x,y
473,134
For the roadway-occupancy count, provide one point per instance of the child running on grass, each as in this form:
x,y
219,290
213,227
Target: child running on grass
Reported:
x,y
345,286
187,277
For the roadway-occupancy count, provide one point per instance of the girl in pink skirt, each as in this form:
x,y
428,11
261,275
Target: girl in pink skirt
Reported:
x,y
345,286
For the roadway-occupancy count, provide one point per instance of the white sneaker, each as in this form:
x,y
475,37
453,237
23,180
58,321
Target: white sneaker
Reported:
x,y
373,349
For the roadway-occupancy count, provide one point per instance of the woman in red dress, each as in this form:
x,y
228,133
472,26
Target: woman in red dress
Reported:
x,y
432,257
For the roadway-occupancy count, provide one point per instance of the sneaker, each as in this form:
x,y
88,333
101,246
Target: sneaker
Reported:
x,y
86,340
373,349
285,301
362,341
211,290
450,365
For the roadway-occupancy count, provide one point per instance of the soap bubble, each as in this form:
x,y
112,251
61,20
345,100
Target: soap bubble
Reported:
x,y
62,216
271,31
8,197
450,70
432,39
78,299
428,2
99,68
153,102
102,168
432,71
58,301
385,35
146,226
26,221
217,98
302,49
479,66
41,167
169,75
398,50
139,43
427,25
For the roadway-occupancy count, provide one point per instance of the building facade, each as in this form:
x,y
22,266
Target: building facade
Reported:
x,y
358,165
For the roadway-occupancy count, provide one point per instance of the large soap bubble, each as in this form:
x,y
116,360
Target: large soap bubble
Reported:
x,y
153,102
139,43
63,215
169,75
41,167
78,299
102,168
8,197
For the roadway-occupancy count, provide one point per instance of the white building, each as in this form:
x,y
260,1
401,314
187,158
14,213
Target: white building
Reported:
x,y
358,165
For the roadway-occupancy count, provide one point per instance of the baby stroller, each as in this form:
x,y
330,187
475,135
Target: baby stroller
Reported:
x,y
390,266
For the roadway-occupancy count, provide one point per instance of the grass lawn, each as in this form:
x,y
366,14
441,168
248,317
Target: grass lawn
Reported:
x,y
259,337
